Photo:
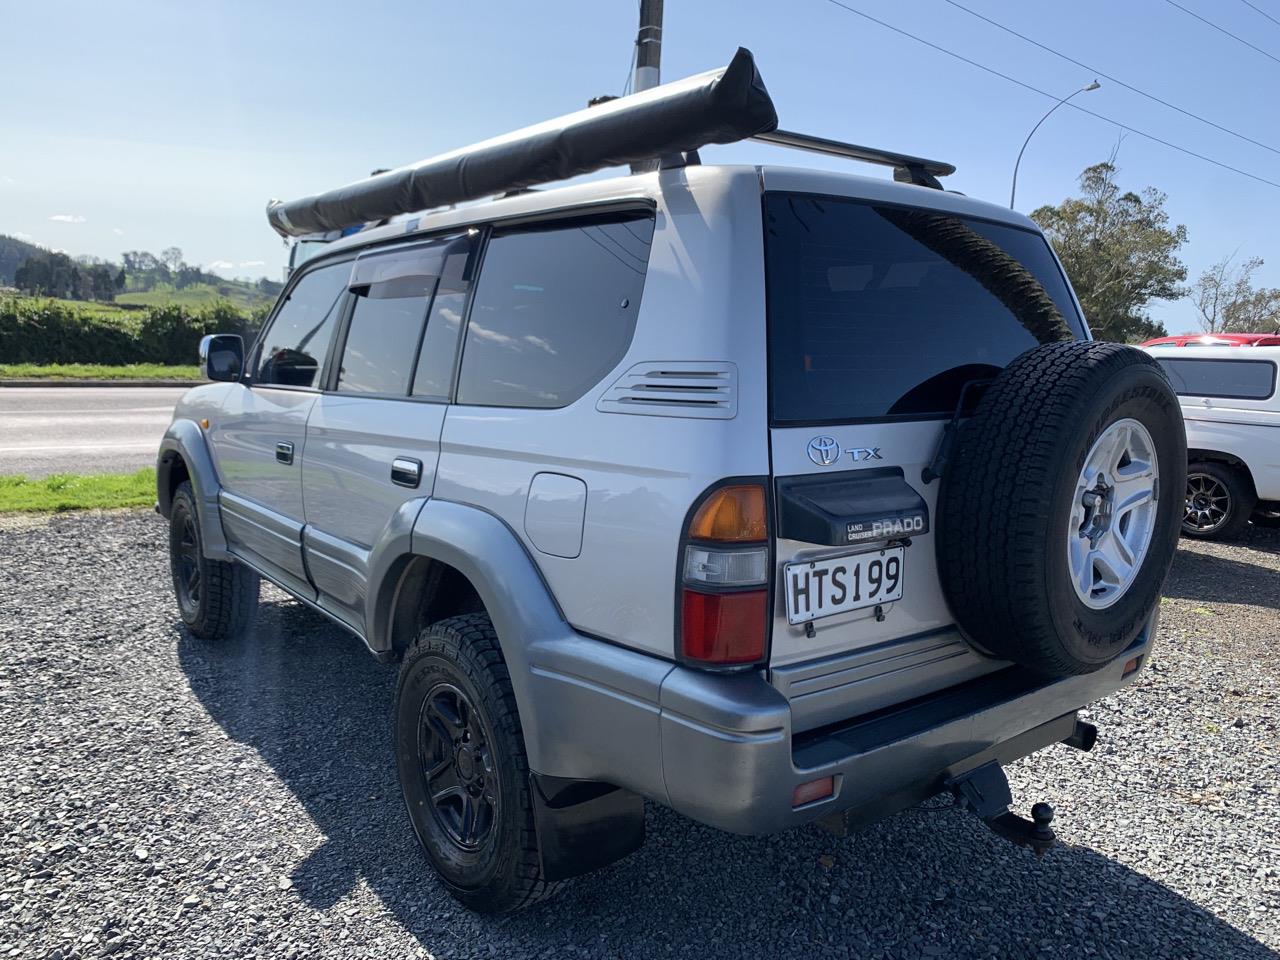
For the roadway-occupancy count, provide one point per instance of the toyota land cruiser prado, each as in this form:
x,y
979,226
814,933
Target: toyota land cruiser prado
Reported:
x,y
771,495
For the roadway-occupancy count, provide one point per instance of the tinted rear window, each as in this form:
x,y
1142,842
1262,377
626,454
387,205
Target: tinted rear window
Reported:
x,y
879,311
1231,379
554,310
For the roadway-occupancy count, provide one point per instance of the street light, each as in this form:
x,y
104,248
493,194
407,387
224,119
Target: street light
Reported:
x,y
1013,191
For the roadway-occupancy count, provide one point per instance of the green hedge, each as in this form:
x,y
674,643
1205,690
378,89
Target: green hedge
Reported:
x,y
55,331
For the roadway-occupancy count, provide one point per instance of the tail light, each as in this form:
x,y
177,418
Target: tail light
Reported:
x,y
724,578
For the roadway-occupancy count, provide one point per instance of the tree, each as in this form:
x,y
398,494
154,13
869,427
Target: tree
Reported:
x,y
1119,250
171,257
1228,302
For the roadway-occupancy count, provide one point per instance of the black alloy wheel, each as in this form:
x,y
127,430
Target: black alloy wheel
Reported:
x,y
457,765
1208,504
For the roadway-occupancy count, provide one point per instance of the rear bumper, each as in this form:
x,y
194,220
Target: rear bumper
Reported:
x,y
720,749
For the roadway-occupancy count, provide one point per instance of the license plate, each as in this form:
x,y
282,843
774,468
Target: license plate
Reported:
x,y
822,588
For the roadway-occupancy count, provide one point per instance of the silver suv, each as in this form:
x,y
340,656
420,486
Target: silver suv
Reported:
x,y
770,495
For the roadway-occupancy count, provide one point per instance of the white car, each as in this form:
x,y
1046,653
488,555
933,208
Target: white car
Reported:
x,y
1232,415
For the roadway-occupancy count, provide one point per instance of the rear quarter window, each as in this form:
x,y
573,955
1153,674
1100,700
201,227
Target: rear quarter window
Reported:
x,y
1226,379
880,311
554,310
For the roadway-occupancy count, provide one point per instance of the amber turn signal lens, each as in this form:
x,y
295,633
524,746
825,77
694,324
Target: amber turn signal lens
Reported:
x,y
735,514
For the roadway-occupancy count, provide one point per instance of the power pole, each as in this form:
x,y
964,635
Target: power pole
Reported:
x,y
648,60
648,46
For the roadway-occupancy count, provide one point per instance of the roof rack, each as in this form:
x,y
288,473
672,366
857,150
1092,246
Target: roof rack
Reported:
x,y
906,168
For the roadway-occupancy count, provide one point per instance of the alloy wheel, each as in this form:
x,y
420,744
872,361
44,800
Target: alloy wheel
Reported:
x,y
187,572
457,766
1208,503
1113,513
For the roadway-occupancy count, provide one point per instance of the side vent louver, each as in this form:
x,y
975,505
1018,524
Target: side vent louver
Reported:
x,y
676,389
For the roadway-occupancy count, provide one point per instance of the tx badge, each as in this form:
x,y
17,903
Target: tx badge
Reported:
x,y
825,451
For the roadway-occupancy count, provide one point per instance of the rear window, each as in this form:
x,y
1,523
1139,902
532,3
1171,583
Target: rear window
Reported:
x,y
881,311
1228,379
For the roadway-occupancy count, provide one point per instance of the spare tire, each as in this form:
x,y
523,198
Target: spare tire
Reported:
x,y
1060,508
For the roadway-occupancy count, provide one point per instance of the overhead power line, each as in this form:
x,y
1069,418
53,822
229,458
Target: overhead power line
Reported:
x,y
1118,82
1261,11
1225,32
1045,93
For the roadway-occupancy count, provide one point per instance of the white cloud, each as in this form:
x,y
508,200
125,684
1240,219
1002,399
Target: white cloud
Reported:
x,y
252,263
117,231
67,218
221,265
7,180
18,234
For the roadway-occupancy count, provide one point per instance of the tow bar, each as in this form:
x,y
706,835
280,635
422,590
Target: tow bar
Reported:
x,y
985,791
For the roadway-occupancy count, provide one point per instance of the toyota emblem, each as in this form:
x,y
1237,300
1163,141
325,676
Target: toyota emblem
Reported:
x,y
824,451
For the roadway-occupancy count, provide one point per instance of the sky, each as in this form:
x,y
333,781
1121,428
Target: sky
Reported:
x,y
142,124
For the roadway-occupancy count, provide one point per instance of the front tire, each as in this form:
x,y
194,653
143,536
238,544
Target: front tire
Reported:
x,y
217,599
1219,501
463,769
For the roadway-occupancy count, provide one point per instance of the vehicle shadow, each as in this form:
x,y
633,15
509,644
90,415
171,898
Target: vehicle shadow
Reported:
x,y
316,707
1201,573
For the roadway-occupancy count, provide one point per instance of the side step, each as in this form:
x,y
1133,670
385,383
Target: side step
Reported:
x,y
985,791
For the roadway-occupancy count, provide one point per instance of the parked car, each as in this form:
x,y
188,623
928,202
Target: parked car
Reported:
x,y
1232,416
770,495
1216,340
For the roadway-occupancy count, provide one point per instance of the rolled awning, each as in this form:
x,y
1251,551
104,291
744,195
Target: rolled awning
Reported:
x,y
720,106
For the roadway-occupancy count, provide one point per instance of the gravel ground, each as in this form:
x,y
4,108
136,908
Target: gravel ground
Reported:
x,y
163,798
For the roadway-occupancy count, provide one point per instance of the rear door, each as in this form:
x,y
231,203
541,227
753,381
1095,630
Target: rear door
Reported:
x,y
881,319
373,436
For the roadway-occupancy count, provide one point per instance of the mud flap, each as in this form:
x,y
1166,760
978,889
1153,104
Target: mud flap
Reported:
x,y
583,825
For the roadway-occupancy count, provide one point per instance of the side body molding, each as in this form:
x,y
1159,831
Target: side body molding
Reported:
x,y
186,440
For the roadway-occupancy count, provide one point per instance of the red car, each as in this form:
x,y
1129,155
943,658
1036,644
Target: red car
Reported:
x,y
1216,340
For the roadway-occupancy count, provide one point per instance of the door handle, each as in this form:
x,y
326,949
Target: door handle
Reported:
x,y
284,452
406,472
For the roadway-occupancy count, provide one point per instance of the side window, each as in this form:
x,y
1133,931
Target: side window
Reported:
x,y
1228,379
554,310
294,346
393,294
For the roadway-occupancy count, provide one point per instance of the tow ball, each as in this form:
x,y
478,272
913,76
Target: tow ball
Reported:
x,y
985,791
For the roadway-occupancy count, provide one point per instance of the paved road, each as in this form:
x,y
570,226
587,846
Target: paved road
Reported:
x,y
47,430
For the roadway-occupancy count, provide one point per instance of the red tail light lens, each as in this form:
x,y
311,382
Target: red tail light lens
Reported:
x,y
724,628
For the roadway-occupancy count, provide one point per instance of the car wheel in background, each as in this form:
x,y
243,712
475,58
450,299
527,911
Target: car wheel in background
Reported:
x,y
1219,501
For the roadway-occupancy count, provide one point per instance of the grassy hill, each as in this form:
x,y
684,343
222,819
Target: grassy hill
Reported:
x,y
243,295
12,252
143,281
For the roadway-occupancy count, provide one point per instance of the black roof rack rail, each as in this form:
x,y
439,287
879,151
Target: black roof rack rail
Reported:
x,y
906,168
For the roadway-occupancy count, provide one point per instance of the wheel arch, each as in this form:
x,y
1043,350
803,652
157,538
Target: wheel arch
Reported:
x,y
1199,455
184,455
457,559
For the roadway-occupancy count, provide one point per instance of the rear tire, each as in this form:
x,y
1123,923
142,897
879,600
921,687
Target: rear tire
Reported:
x,y
217,599
1219,501
464,773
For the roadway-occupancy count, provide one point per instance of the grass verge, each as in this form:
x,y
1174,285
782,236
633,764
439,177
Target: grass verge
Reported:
x,y
97,371
70,491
